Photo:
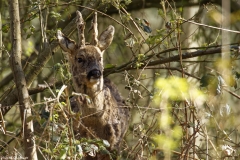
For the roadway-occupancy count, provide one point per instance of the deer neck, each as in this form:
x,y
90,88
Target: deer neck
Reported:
x,y
95,92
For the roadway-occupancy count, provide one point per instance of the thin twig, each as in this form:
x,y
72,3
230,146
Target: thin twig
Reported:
x,y
200,24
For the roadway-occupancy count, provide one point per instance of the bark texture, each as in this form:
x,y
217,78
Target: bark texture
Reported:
x,y
20,81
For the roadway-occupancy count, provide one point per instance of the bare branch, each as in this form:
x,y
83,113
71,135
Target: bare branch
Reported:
x,y
188,55
0,44
42,88
213,27
176,58
19,77
175,68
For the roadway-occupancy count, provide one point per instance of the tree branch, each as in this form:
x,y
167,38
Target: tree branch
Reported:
x,y
42,88
0,44
21,85
130,65
191,55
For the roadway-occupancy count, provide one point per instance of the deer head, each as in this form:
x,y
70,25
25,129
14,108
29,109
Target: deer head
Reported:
x,y
86,60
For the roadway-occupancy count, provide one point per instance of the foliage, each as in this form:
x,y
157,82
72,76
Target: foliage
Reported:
x,y
172,65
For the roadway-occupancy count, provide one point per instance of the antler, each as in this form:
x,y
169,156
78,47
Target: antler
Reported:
x,y
80,27
95,30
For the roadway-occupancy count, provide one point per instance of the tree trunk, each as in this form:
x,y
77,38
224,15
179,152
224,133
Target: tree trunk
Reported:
x,y
0,42
20,81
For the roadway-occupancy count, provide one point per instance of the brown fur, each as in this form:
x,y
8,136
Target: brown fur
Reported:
x,y
104,114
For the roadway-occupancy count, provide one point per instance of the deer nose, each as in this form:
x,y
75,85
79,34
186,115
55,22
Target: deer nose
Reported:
x,y
94,74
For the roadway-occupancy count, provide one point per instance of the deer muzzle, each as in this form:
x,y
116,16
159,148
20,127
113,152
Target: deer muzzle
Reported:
x,y
94,74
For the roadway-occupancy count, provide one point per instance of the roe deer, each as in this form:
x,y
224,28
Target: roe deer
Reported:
x,y
105,116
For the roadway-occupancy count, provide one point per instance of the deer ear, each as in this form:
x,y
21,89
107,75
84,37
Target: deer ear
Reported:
x,y
106,38
65,43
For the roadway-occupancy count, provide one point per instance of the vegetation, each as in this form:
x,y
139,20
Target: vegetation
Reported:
x,y
176,63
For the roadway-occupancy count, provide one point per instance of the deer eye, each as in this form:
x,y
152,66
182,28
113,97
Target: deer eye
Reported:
x,y
80,60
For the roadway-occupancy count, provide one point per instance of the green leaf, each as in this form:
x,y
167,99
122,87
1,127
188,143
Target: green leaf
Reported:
x,y
63,103
103,150
180,9
57,66
160,12
55,14
175,88
63,153
25,29
212,83
137,19
30,118
47,151
207,80
79,150
141,56
237,74
5,28
28,36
